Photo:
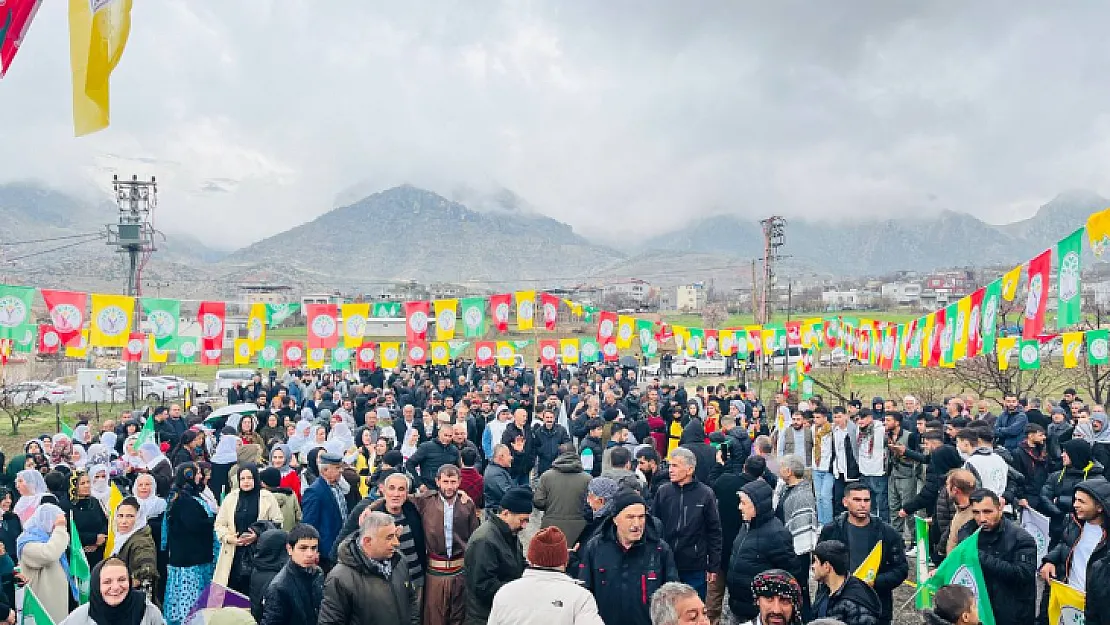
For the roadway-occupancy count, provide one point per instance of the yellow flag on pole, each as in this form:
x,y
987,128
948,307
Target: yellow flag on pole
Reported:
x,y
441,353
626,329
1010,283
868,570
568,348
98,32
256,327
446,316
242,351
110,322
82,348
354,324
1098,231
1065,604
1006,345
114,498
1072,342
525,309
391,355
963,316
155,354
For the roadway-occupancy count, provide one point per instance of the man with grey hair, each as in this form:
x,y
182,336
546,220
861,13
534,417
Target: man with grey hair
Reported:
x,y
797,507
370,578
676,603
691,523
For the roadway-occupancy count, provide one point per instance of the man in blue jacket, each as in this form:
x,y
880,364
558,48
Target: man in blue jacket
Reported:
x,y
324,505
1009,429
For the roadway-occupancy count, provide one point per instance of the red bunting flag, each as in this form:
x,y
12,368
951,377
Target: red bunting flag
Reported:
x,y
67,313
609,351
323,325
830,328
133,351
1036,295
292,353
606,327
367,356
15,19
49,340
499,306
211,317
793,333
211,356
550,307
936,342
975,324
712,342
416,353
484,353
549,348
416,321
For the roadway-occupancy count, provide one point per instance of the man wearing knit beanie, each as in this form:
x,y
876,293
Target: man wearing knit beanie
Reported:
x,y
545,594
493,555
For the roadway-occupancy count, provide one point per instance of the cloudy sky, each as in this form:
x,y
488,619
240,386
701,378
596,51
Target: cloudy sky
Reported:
x,y
622,118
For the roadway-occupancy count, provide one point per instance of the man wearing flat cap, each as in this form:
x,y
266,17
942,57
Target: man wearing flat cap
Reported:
x,y
494,556
324,504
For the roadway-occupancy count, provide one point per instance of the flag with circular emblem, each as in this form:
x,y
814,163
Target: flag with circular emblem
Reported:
x,y
473,316
525,309
441,353
975,324
1068,255
988,330
367,356
696,343
355,322
341,358
109,323
569,350
155,353
416,321
292,354
1071,342
626,331
315,358
549,349
242,352
49,339
269,354
588,350
456,348
162,317
133,350
211,356
1006,346
500,307
446,318
80,347
484,353
645,332
185,350
606,326
1098,347
609,351
211,317
323,326
391,355
256,326
712,344
1036,295
1009,283
67,313
505,354
549,307
1029,355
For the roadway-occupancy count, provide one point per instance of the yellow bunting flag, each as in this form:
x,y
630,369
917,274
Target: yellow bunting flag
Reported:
x,y
568,348
155,354
1010,283
81,348
242,351
1072,343
314,358
446,316
1065,604
1098,231
575,307
114,499
681,337
256,327
391,355
98,33
441,353
959,336
506,357
110,322
868,570
354,324
525,309
626,329
1006,346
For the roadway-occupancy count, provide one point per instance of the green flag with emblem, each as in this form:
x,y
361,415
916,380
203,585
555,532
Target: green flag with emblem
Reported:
x,y
456,347
473,317
340,358
268,355
15,311
1098,347
992,302
1068,254
162,317
185,350
588,350
276,314
962,567
1029,354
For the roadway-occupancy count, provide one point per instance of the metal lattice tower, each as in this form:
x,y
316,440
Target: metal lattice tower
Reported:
x,y
774,237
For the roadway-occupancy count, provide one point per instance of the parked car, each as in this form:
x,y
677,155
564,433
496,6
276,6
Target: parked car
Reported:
x,y
41,392
690,366
838,357
200,388
226,378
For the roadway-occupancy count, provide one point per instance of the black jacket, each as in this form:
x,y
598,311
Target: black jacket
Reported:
x,y
293,597
1058,490
762,543
190,533
943,460
1008,557
547,445
596,451
693,438
894,568
691,525
1034,466
493,558
429,457
727,489
855,602
270,557
622,581
524,460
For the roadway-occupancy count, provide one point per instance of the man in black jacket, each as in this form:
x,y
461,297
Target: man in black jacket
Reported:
x,y
433,454
693,438
942,458
840,594
691,523
626,562
1008,557
1082,545
549,436
860,531
294,595
727,490
493,555
522,442
1031,460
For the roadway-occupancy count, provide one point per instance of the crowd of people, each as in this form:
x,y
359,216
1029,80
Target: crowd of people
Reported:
x,y
405,498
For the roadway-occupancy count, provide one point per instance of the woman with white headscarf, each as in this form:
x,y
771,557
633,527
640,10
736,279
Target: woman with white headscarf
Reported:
x,y
80,457
134,544
31,488
301,434
81,435
132,461
41,549
100,487
225,456
88,516
412,440
158,465
341,432
152,509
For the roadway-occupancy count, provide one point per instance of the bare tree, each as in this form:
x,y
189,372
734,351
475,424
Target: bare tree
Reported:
x,y
983,376
714,315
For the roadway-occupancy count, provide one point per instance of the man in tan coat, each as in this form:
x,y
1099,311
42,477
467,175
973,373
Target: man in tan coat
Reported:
x,y
449,518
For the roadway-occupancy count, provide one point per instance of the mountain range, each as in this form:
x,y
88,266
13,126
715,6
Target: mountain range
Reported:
x,y
407,233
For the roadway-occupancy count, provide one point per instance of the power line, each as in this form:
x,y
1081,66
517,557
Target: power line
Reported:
x,y
47,240
53,249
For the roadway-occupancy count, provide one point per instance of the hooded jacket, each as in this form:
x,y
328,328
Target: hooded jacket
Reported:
x,y
1008,557
1059,488
693,438
270,557
727,489
855,602
560,493
547,445
691,525
761,544
941,461
1098,572
1032,463
894,568
359,593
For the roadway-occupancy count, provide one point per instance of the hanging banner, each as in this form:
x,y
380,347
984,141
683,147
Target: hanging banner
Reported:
x,y
1006,347
323,327
569,350
15,312
712,345
696,344
292,354
49,340
609,351
505,354
626,330
606,326
416,321
354,324
549,304
314,358
341,358
961,329
162,317
474,317
549,350
277,314
256,326
1098,347
67,313
1072,342
728,342
269,354
793,333
975,324
484,353
211,317
391,355
445,318
155,353
588,350
499,307
441,353
15,22
525,309
1068,255
185,350
109,323
1029,355
456,348
387,310
1098,231
81,348
211,356
242,349
367,356
1009,283
1036,300
133,351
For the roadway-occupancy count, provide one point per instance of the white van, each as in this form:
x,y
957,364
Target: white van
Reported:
x,y
226,378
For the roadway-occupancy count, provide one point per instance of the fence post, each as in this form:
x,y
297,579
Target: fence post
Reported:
x,y
58,417
96,410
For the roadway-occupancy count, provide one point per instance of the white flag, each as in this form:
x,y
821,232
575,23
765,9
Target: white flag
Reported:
x,y
1037,525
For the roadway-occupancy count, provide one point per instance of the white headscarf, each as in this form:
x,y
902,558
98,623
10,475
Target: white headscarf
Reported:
x,y
152,455
27,504
82,456
100,489
122,537
131,457
341,432
99,453
301,436
407,449
225,450
109,439
80,433
151,506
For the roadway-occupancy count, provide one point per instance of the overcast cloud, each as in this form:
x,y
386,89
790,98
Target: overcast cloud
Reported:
x,y
622,118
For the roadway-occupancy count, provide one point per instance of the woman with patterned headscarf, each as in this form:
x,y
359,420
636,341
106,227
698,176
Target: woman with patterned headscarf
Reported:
x,y
189,535
61,454
31,487
89,517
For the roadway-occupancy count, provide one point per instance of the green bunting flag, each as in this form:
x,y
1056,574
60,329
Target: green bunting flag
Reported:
x,y
340,358
276,314
1029,355
162,317
914,350
78,564
186,350
962,567
473,316
522,344
15,311
1098,347
33,609
992,302
1067,281
948,336
697,342
455,348
924,596
588,350
68,431
807,387
147,434
645,331
588,313
268,355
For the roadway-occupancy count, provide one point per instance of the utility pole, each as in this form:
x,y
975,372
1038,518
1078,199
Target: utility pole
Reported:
x,y
133,234
774,237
